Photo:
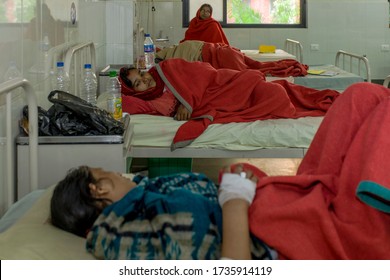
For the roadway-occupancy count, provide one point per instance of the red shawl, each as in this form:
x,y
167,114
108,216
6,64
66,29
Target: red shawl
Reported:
x,y
223,56
225,95
316,214
207,30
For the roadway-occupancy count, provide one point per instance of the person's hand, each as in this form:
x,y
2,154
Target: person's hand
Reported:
x,y
182,113
241,184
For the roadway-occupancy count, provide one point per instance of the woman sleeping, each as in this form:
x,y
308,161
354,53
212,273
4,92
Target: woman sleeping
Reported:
x,y
202,95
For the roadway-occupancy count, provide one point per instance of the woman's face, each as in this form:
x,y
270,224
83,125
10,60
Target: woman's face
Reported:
x,y
141,80
205,12
110,185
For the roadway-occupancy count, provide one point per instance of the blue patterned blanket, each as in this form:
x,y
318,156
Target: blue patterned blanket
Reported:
x,y
168,217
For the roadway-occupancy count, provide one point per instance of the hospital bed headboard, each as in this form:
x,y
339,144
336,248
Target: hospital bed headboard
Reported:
x,y
8,88
354,63
75,58
295,48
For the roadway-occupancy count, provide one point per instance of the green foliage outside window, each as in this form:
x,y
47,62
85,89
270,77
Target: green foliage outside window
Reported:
x,y
13,12
284,12
240,12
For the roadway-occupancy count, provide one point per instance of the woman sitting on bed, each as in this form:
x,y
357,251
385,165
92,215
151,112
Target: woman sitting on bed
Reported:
x,y
337,206
204,27
220,55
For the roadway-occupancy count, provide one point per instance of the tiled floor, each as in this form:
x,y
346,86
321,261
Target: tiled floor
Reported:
x,y
271,166
211,166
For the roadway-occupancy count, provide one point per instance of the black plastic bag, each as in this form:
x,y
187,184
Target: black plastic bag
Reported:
x,y
73,116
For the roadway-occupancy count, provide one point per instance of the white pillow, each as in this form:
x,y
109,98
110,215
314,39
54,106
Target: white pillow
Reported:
x,y
33,237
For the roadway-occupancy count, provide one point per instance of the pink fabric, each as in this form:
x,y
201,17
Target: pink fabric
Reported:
x,y
224,56
316,214
207,30
164,105
225,95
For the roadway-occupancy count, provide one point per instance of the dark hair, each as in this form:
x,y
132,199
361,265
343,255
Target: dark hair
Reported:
x,y
123,73
72,206
206,5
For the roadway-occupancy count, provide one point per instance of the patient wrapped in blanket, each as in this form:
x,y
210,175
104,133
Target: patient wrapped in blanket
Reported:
x,y
168,217
216,96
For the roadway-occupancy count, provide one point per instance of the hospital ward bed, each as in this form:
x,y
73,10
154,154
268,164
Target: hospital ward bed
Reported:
x,y
349,68
151,136
292,50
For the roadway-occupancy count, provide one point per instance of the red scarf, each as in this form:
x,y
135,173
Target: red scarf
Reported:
x,y
148,94
207,30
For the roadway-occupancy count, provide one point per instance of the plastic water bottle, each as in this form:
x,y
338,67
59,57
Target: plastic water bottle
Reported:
x,y
45,47
114,96
12,72
149,50
88,87
61,78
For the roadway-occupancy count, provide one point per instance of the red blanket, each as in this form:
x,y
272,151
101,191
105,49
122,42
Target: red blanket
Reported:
x,y
225,95
224,56
316,214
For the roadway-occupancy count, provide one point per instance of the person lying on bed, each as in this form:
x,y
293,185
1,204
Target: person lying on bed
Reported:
x,y
159,90
204,27
220,55
202,95
168,217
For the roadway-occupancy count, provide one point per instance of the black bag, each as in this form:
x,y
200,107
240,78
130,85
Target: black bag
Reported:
x,y
73,116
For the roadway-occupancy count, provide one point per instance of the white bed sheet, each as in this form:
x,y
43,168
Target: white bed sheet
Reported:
x,y
339,82
158,131
262,57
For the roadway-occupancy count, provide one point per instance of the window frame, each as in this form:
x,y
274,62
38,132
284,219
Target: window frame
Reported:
x,y
303,24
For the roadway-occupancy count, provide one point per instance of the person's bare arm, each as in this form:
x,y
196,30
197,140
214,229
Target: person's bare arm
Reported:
x,y
236,193
182,113
235,227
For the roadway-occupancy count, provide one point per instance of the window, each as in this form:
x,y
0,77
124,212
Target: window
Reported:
x,y
251,13
17,11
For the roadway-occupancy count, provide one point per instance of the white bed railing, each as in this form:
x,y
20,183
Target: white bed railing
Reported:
x,y
295,48
353,63
386,81
75,58
8,88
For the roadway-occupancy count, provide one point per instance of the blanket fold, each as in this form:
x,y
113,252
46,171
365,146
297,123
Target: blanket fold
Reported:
x,y
223,56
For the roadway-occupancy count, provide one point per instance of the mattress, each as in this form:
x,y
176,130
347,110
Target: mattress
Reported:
x,y
158,131
277,55
340,81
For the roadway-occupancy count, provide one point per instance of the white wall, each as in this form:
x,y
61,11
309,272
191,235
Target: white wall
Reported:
x,y
103,22
359,26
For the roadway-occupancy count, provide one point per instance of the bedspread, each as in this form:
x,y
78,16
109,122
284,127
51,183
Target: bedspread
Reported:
x,y
224,95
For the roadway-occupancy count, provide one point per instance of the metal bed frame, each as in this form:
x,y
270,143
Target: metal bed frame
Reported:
x,y
8,89
295,48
